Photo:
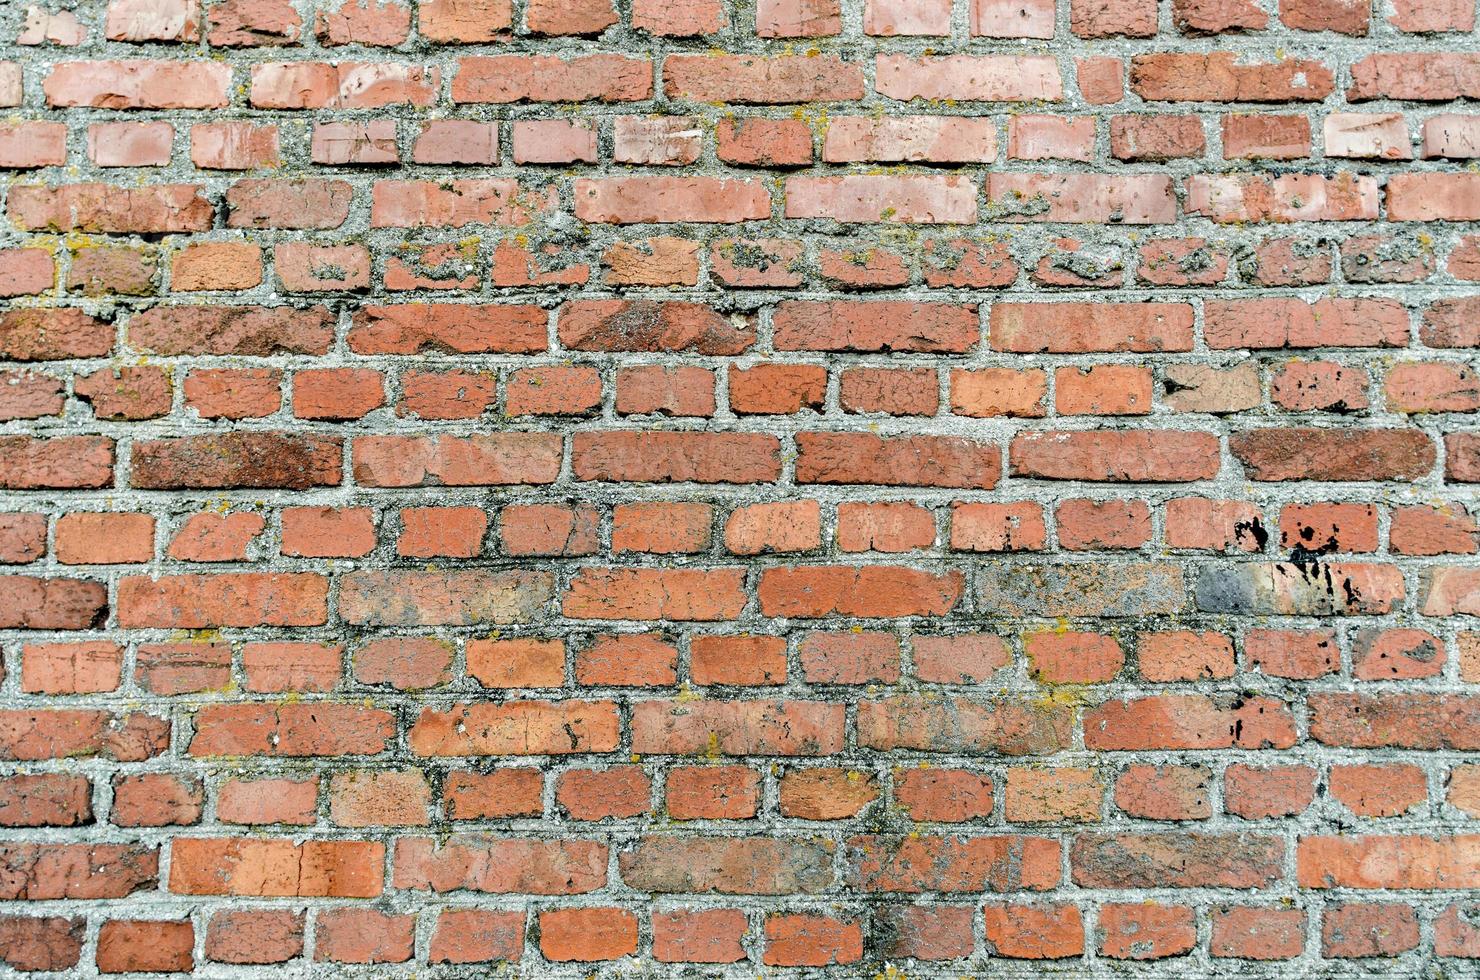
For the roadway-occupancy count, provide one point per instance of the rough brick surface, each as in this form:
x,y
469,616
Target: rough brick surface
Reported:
x,y
816,488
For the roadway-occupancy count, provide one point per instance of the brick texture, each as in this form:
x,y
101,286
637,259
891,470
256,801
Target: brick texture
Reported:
x,y
833,488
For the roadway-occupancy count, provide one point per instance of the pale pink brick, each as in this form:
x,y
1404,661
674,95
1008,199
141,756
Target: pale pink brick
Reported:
x,y
1012,18
456,141
1382,136
892,18
678,18
10,84
910,139
1429,16
1453,136
366,143
43,26
234,146
349,85
153,20
661,141
25,145
896,200
554,141
798,18
1051,138
139,84
969,78
130,144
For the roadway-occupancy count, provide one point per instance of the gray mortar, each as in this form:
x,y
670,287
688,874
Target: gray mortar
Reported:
x,y
1028,241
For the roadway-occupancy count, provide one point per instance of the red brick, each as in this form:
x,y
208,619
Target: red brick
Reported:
x,y
465,21
940,461
1179,860
1293,197
230,599
104,539
699,936
544,78
1316,454
140,946
1218,77
811,940
183,668
1156,137
957,724
683,391
477,936
515,728
627,661
589,794
51,603
647,200
738,727
712,792
404,663
1184,655
254,937
374,23
1267,137
1325,386
1147,931
1165,792
681,20
233,145
231,459
967,658
587,935
945,795
1035,932
513,792
101,871
291,667
359,935
538,529
1360,930
487,864
954,863
1141,199
291,730
1188,721
1072,658
157,800
276,867
645,325
243,330
1254,933
45,800
1139,456
28,145
744,660
1101,80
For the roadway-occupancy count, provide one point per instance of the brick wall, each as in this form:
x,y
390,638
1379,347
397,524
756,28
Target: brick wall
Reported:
x,y
897,485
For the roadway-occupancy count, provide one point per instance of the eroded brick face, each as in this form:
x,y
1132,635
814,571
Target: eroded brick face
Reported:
x,y
922,488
